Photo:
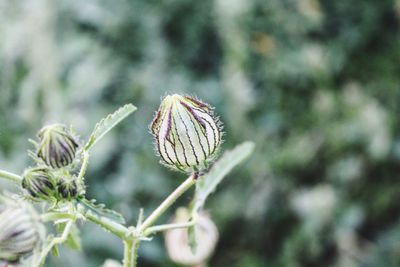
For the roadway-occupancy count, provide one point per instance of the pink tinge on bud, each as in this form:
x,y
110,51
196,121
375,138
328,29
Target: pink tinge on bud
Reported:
x,y
186,132
177,240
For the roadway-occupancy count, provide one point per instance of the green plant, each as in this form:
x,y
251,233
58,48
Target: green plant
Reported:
x,y
188,138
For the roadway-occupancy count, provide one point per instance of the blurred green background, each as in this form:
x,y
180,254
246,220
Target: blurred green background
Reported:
x,y
316,84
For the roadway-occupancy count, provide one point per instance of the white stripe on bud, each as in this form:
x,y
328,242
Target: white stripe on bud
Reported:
x,y
187,133
57,146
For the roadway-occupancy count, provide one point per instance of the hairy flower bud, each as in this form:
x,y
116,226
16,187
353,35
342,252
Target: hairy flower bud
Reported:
x,y
57,147
39,183
67,189
18,231
177,240
187,133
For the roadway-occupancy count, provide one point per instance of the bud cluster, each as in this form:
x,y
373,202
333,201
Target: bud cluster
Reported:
x,y
41,183
50,180
186,132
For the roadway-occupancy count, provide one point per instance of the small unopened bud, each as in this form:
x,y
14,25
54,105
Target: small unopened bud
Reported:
x,y
39,183
186,132
57,147
67,188
18,232
177,240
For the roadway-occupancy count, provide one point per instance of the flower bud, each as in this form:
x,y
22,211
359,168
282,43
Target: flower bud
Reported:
x,y
18,231
57,147
39,183
177,240
110,263
186,132
67,189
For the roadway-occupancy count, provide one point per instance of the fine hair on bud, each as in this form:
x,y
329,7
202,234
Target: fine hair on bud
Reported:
x,y
67,188
187,133
39,183
57,146
19,231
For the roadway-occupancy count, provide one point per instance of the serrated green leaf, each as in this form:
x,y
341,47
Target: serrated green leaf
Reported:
x,y
209,182
100,209
107,123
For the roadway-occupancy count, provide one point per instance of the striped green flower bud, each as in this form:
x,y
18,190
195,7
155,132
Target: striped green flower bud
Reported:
x,y
67,189
18,231
57,147
186,132
39,183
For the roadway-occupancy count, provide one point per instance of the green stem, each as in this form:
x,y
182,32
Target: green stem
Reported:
x,y
113,227
54,242
128,253
10,176
164,227
134,252
84,166
168,202
131,247
54,216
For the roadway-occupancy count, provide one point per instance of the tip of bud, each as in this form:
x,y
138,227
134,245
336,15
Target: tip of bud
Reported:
x,y
57,146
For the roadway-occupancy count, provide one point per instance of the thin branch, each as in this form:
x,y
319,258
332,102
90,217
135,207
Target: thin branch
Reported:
x,y
168,202
10,176
84,166
54,242
54,216
108,224
164,227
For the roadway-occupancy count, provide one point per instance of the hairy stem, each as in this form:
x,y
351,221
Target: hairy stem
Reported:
x,y
164,227
168,202
134,252
84,166
54,216
131,247
54,242
10,176
128,253
109,225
